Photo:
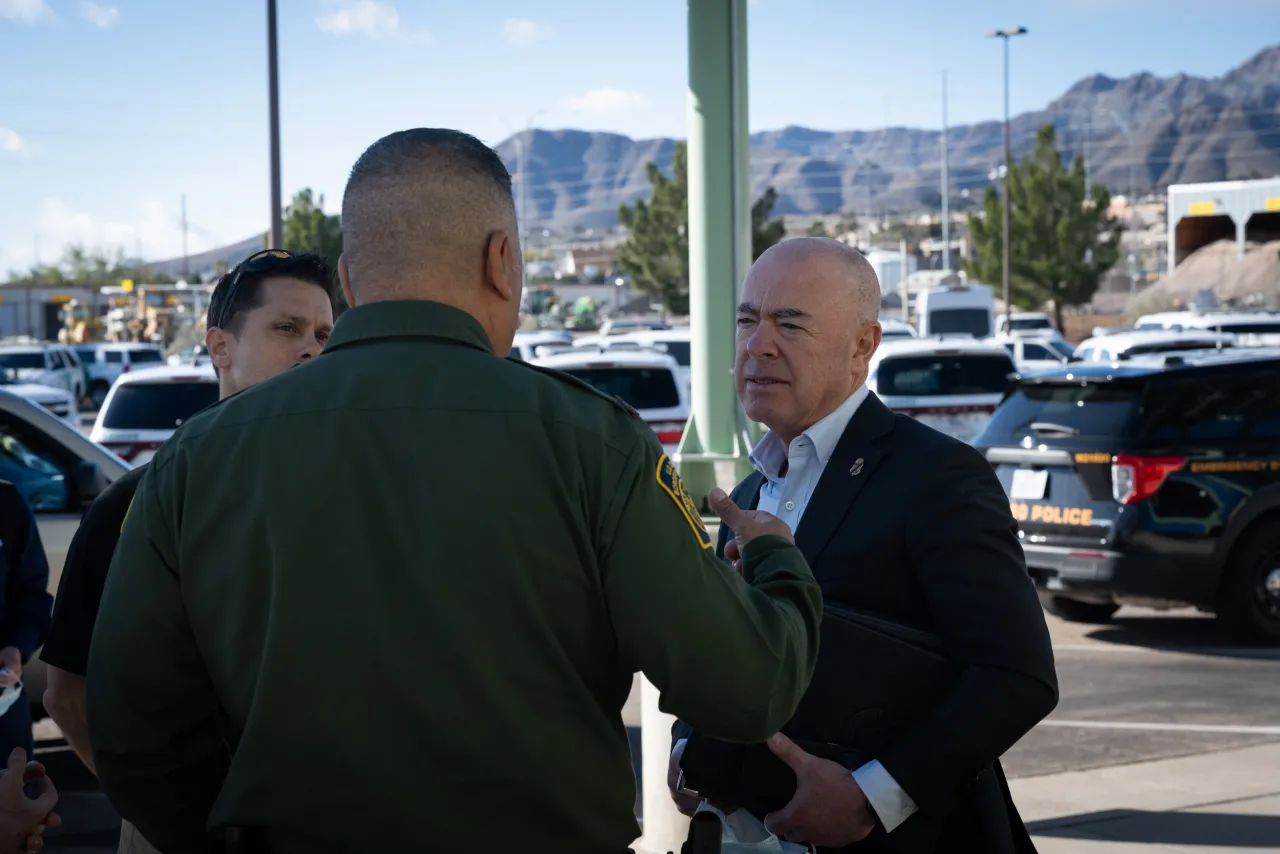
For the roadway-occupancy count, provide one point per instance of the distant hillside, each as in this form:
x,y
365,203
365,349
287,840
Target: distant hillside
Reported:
x,y
1185,129
205,263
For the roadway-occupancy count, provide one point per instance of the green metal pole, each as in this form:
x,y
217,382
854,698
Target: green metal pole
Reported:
x,y
719,254
713,451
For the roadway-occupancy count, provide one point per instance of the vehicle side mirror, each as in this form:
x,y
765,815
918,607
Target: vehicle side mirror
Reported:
x,y
87,482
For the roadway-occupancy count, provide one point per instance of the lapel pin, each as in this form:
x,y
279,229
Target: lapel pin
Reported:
x,y
857,467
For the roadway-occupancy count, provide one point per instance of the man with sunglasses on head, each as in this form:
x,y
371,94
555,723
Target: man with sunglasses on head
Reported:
x,y
273,311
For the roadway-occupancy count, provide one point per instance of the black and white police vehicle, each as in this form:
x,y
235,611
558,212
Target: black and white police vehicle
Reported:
x,y
1154,481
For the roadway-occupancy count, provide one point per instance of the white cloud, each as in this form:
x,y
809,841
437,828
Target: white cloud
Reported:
x,y
26,11
371,19
157,230
98,14
12,143
607,102
521,32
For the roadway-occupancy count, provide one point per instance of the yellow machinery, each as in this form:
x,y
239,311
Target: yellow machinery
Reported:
x,y
82,323
155,314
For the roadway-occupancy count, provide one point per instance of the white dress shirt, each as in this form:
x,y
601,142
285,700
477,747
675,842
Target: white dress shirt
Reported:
x,y
787,496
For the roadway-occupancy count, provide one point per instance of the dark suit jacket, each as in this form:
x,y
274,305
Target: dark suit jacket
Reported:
x,y
922,534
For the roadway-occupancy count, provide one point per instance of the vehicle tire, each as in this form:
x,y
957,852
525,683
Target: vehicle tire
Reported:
x,y
98,394
1249,607
1074,611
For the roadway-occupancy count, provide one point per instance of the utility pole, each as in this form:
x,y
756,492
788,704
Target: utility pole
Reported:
x,y
522,217
276,239
946,186
1005,35
902,281
184,237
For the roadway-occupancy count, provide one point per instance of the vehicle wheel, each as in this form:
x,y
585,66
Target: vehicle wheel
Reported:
x,y
1074,611
1250,603
98,394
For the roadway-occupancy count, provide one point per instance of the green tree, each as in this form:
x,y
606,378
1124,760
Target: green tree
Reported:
x,y
307,228
81,267
656,252
765,232
816,229
1061,239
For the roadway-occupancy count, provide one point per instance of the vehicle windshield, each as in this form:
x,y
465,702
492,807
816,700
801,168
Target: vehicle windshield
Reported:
x,y
1059,346
1093,409
938,375
642,388
680,350
142,356
960,321
1171,347
22,361
157,406
1021,324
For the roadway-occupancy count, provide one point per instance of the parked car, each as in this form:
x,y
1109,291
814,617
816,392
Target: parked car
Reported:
x,y
648,381
953,385
524,348
145,407
107,362
1036,353
56,400
676,343
59,471
1145,342
896,330
1152,482
44,364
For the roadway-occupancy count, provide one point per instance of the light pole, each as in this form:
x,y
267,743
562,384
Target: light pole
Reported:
x,y
276,239
522,215
1005,35
946,185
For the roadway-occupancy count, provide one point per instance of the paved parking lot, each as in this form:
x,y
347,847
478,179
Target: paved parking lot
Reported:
x,y
1165,738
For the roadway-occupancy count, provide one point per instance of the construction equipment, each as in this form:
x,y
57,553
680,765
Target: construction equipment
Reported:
x,y
82,323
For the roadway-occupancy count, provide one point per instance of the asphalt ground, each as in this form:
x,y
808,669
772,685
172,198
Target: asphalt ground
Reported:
x,y
1149,686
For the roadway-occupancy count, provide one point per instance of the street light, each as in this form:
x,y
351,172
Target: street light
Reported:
x,y
522,203
1008,167
276,238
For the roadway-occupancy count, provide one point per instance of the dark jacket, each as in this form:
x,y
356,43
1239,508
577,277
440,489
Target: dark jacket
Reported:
x,y
922,534
24,576
418,578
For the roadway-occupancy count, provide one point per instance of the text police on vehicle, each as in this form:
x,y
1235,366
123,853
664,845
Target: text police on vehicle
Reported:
x,y
1155,481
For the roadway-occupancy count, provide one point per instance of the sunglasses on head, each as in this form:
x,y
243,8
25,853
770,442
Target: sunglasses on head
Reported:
x,y
259,262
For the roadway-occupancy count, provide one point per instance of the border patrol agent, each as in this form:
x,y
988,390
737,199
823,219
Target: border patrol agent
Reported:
x,y
425,642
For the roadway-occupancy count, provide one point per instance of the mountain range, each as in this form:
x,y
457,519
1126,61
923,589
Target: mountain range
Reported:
x,y
1139,133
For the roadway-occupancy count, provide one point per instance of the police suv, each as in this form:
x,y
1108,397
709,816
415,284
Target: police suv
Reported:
x,y
1153,481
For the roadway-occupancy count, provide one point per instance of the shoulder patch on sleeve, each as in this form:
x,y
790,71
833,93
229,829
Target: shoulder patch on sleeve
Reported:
x,y
669,480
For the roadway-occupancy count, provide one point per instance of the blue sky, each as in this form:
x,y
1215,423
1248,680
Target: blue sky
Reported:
x,y
111,111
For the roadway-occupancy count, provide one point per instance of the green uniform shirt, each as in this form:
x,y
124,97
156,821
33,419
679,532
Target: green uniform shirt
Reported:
x,y
418,578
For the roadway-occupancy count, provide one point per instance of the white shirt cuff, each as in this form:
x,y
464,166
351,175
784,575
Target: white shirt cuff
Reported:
x,y
891,803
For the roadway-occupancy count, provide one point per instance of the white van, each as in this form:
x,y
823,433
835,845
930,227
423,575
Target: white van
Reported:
x,y
951,385
956,310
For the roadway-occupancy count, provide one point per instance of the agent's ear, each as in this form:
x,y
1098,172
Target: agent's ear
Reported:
x,y
218,343
502,264
344,280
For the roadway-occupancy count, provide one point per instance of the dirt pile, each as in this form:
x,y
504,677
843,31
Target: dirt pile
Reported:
x,y
1216,267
